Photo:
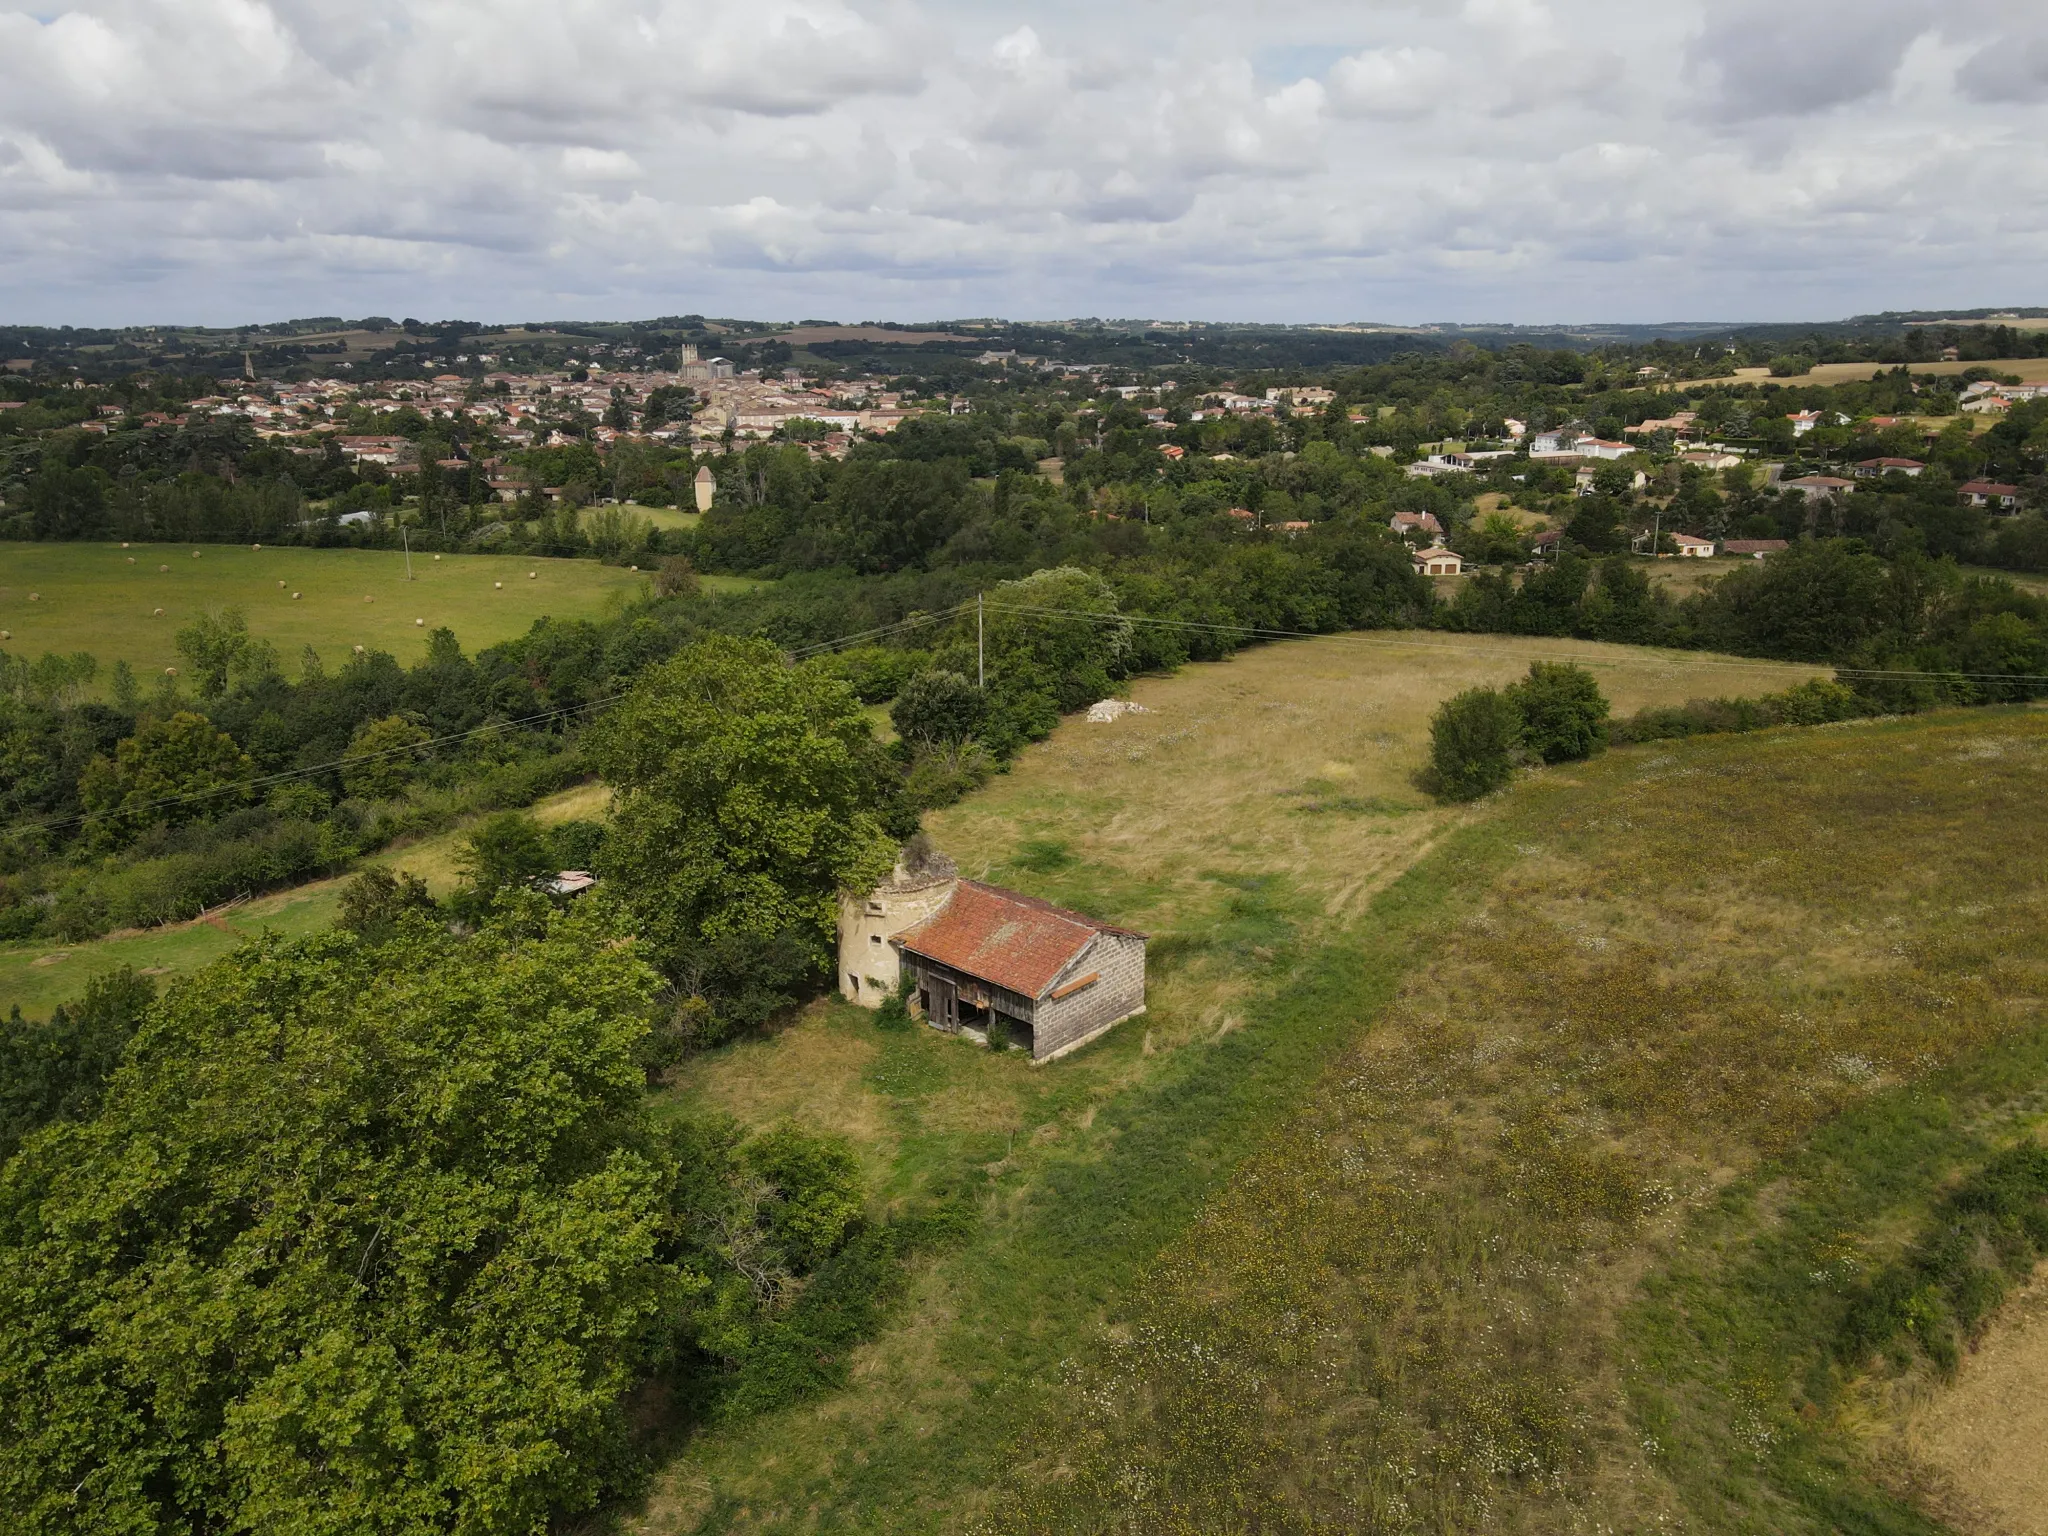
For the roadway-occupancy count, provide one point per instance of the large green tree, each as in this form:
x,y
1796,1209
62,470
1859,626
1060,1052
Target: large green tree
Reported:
x,y
747,795
173,770
364,1238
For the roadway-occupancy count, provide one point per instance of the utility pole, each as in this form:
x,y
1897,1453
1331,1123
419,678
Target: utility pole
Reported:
x,y
980,647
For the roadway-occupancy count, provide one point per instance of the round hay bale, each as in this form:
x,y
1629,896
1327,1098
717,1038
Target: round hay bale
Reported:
x,y
418,623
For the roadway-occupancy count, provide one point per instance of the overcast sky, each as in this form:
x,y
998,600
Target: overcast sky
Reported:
x,y
231,160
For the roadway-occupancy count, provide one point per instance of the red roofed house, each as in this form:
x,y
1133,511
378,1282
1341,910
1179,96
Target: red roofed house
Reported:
x,y
1988,493
1405,523
1867,469
975,953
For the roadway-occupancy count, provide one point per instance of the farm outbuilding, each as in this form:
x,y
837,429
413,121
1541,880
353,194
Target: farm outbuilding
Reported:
x,y
977,954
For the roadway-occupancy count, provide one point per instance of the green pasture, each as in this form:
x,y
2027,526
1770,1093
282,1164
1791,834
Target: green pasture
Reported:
x,y
667,517
104,598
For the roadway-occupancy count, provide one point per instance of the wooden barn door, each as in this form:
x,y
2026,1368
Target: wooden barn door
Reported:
x,y
945,1005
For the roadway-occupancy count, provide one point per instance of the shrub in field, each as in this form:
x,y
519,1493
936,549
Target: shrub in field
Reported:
x,y
1564,718
1817,702
676,577
1472,743
894,1014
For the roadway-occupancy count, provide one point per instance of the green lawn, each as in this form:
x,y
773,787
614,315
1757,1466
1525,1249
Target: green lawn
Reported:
x,y
667,517
103,598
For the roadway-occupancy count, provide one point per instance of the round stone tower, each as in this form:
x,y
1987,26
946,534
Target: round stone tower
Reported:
x,y
919,887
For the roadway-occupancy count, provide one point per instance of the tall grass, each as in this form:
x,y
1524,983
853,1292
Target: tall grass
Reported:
x,y
1403,1312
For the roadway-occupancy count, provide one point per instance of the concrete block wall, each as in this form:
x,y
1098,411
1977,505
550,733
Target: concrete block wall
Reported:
x,y
1061,1024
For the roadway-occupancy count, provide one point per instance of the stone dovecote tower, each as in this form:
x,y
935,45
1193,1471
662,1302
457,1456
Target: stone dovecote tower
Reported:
x,y
918,888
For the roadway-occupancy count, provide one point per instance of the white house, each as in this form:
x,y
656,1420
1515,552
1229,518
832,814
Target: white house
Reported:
x,y
1438,561
1989,493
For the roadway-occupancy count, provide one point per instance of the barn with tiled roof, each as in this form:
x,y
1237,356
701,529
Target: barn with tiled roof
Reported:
x,y
1050,978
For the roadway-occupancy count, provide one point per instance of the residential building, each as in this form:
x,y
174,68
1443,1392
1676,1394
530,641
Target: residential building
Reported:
x,y
1810,486
1438,561
1423,523
1870,469
1989,493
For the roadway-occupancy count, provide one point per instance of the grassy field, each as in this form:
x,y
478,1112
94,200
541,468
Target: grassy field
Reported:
x,y
1259,820
39,974
2029,370
1553,1244
90,597
667,517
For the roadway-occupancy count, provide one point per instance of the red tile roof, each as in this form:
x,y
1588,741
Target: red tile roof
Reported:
x,y
1015,942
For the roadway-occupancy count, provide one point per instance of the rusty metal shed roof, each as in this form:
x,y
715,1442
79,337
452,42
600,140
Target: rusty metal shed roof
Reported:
x,y
1015,942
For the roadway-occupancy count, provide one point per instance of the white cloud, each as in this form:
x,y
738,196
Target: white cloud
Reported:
x,y
234,159
1392,82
